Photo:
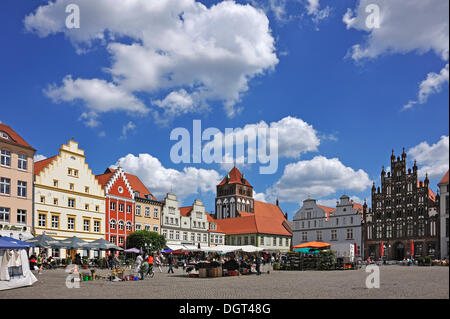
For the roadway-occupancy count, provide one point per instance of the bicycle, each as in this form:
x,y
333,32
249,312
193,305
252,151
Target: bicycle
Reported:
x,y
150,272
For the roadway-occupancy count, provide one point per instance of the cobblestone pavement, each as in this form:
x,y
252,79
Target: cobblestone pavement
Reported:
x,y
395,282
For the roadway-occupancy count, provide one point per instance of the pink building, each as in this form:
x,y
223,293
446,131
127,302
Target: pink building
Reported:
x,y
16,184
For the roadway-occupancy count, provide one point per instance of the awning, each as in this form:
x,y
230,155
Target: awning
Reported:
x,y
313,244
11,243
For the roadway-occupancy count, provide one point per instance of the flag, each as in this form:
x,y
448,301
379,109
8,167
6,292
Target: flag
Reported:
x,y
382,249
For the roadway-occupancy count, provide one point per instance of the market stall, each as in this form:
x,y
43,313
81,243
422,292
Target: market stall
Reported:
x,y
14,266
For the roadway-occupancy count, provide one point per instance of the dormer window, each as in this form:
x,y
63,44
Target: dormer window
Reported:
x,y
4,135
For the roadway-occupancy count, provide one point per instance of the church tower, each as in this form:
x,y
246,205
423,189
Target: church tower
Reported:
x,y
234,196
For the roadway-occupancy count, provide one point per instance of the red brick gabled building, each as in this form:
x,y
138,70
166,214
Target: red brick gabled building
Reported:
x,y
119,206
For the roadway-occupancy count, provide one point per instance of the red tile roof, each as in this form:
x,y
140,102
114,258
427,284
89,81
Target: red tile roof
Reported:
x,y
235,178
212,220
16,139
267,219
185,211
431,194
444,179
358,207
39,166
103,179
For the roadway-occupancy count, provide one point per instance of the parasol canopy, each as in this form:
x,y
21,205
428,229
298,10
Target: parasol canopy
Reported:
x,y
313,244
102,244
44,241
132,250
75,243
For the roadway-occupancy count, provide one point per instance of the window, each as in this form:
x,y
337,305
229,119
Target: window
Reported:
x,y
55,221
120,240
5,186
421,228
138,226
21,189
155,212
129,227
56,252
167,220
22,162
129,209
199,237
171,220
379,232
4,214
120,224
245,240
21,216
55,201
192,237
112,239
319,235
155,228
71,223
55,183
87,225
5,158
86,206
112,206
185,236
171,234
199,214
165,233
176,221
112,224
177,235
333,234
171,210
71,186
138,210
97,208
43,199
304,236
86,189
147,211
349,233
42,220
409,229
389,231
121,208
71,202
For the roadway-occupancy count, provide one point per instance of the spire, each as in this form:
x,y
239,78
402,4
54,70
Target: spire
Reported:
x,y
382,171
393,156
404,154
415,166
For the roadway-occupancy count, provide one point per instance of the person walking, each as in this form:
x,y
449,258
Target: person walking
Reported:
x,y
138,262
39,263
170,260
150,265
158,263
144,269
258,265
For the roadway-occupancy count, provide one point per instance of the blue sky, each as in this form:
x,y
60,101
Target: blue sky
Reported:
x,y
308,75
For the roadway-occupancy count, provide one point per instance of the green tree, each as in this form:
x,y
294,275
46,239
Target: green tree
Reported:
x,y
138,239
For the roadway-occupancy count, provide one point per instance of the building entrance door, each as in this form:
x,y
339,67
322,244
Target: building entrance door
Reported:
x,y
399,251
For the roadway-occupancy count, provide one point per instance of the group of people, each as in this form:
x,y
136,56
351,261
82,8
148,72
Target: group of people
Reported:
x,y
144,265
38,262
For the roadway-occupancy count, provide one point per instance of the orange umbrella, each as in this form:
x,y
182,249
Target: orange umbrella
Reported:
x,y
313,244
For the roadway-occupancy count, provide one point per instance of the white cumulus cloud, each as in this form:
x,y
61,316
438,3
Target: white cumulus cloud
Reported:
x,y
39,157
432,159
317,178
161,180
160,46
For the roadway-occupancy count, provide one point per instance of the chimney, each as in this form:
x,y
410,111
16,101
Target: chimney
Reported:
x,y
277,203
286,216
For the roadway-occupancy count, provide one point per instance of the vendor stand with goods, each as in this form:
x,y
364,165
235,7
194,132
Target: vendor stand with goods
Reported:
x,y
14,265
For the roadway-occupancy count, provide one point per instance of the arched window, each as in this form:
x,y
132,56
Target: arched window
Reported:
x,y
120,225
112,224
129,226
